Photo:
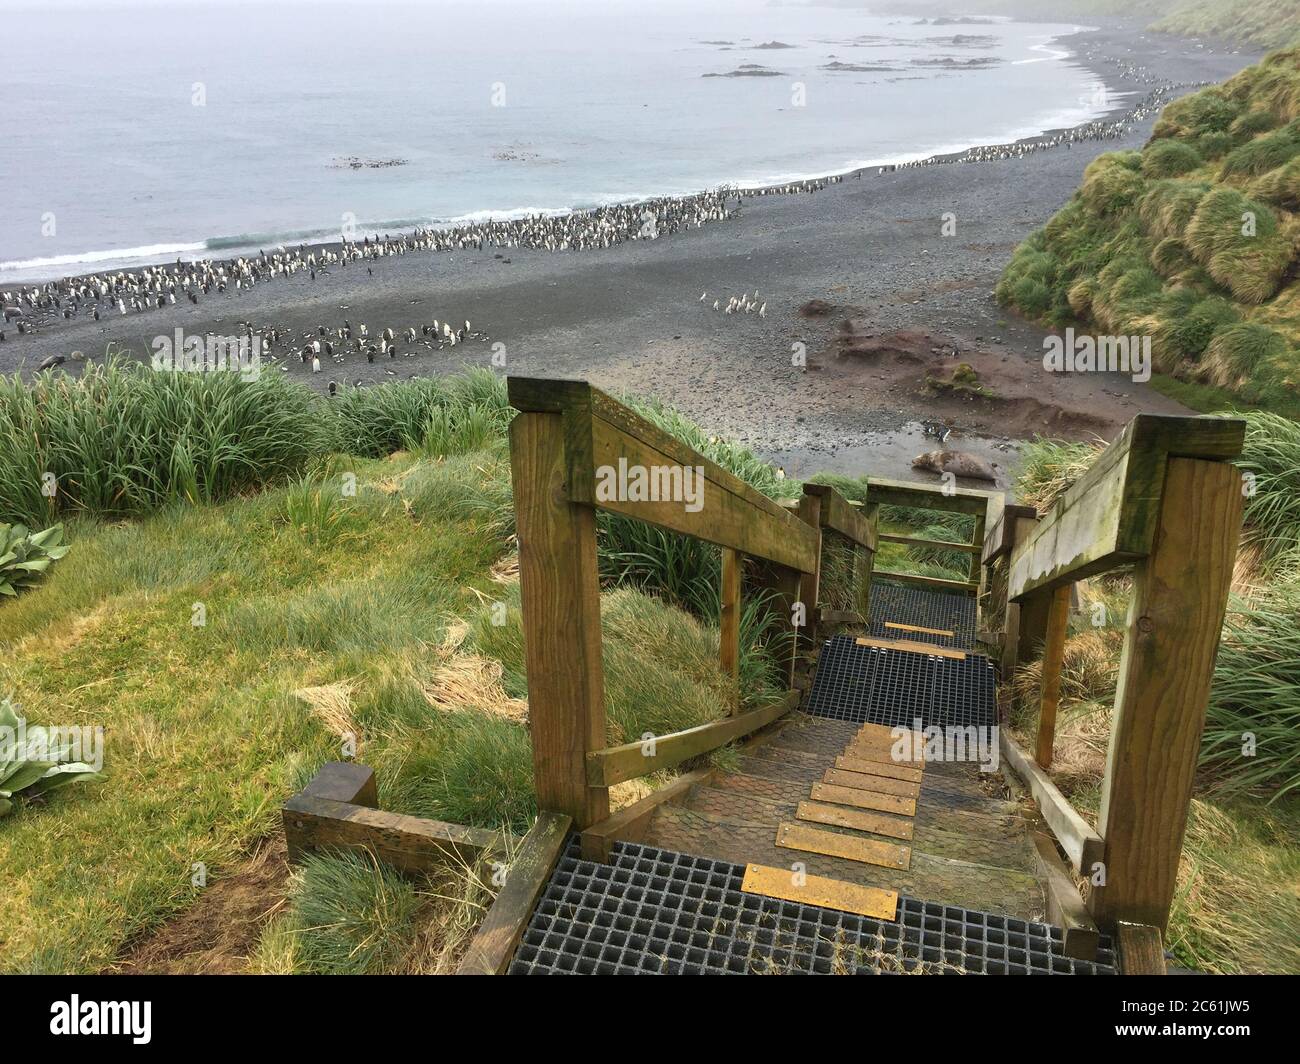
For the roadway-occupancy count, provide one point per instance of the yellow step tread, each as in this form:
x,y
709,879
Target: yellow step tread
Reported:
x,y
859,819
820,890
849,847
880,768
884,803
864,782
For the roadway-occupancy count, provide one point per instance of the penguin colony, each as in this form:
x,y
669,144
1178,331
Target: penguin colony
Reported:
x,y
160,286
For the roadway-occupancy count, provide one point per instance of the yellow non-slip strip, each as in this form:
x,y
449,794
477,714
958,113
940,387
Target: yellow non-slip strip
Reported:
x,y
918,628
859,819
913,647
819,890
878,784
880,768
884,803
884,755
848,847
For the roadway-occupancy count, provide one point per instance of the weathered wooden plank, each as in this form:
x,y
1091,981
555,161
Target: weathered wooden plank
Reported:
x,y
629,824
878,768
870,782
1081,844
884,803
618,763
961,587
849,847
723,517
1058,620
560,596
729,623
1141,950
1001,533
917,541
1109,516
918,628
858,819
1176,616
884,733
819,890
1065,907
408,843
886,492
494,942
911,646
875,753
599,431
838,514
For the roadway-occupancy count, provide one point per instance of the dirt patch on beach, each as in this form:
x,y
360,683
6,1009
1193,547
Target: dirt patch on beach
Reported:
x,y
972,384
219,932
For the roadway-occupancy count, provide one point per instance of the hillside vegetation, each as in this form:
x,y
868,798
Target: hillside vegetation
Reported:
x,y
1192,241
1262,23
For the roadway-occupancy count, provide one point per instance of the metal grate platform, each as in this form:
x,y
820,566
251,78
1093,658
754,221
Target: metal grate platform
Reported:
x,y
905,604
895,687
657,912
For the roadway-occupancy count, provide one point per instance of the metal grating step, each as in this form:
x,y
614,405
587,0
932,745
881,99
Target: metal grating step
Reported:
x,y
926,609
658,912
895,687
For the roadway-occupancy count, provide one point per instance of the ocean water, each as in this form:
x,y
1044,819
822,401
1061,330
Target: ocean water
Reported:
x,y
141,131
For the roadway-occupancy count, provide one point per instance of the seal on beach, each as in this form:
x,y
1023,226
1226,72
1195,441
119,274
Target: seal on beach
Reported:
x,y
958,463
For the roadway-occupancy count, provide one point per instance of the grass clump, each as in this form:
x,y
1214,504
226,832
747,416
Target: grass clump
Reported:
x,y
1191,241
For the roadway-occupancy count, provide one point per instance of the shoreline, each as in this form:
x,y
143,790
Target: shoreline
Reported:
x,y
235,246
628,317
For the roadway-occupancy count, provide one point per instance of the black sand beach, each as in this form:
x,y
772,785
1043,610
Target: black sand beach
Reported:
x,y
629,318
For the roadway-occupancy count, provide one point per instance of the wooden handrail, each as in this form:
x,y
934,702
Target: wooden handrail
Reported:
x,y
617,764
1109,517
1164,498
602,437
887,492
574,451
839,515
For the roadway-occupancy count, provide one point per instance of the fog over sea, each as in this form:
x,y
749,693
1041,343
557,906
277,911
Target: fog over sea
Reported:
x,y
139,132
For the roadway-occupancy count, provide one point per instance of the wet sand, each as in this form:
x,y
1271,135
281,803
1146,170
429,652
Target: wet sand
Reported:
x,y
629,318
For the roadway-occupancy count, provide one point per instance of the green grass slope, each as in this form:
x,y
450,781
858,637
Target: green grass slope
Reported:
x,y
1193,241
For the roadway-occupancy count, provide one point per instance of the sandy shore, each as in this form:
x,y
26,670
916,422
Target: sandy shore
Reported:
x,y
630,318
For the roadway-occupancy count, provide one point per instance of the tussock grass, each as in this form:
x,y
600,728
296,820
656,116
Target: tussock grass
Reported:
x,y
1193,241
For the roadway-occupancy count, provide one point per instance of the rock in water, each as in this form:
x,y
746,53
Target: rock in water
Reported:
x,y
958,463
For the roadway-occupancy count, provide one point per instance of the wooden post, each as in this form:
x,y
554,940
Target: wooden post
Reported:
x,y
810,512
864,561
1058,621
729,619
1175,619
1034,612
560,594
975,569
